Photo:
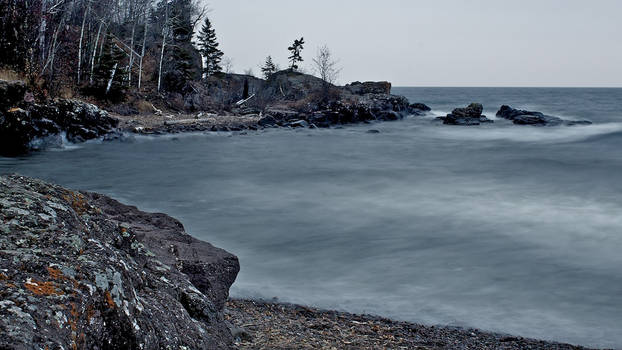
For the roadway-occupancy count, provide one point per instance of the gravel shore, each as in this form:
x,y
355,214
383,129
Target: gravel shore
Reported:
x,y
266,325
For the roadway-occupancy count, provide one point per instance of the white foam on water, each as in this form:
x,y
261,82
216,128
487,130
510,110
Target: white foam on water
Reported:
x,y
524,133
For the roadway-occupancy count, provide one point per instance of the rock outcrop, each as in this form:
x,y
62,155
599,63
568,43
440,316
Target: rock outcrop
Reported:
x,y
471,115
522,117
369,87
25,125
82,271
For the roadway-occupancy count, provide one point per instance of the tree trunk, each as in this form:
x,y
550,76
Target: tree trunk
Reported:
x,y
86,14
142,54
95,51
114,70
131,63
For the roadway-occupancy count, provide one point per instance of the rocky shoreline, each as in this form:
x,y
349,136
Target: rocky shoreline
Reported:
x,y
286,100
268,325
81,270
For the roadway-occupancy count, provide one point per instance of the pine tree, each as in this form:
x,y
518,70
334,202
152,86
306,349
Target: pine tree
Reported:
x,y
108,73
296,50
269,68
209,49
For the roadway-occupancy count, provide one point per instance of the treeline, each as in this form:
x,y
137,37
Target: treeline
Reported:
x,y
103,46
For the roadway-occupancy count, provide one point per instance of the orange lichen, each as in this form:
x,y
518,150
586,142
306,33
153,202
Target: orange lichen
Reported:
x,y
43,288
74,313
78,202
56,273
11,285
109,300
89,313
3,277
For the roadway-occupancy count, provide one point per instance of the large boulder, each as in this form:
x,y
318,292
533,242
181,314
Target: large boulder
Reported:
x,y
470,115
82,271
522,117
21,128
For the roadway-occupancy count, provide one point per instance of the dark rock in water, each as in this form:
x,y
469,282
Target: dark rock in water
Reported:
x,y
369,87
474,110
388,115
373,131
83,271
421,107
21,127
522,117
471,115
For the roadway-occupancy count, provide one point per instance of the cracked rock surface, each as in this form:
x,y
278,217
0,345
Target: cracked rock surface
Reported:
x,y
82,271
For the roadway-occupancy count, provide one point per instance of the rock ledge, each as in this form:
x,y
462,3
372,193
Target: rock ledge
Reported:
x,y
82,271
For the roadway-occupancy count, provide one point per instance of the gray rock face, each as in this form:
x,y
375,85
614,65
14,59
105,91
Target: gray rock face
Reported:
x,y
471,115
82,271
522,117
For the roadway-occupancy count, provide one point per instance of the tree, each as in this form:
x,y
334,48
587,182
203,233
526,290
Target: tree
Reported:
x,y
209,49
326,66
108,81
268,68
296,50
227,64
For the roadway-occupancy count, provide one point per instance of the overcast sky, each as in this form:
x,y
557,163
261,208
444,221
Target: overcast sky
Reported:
x,y
434,42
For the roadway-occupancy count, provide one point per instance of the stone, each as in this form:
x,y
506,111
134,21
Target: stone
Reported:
x,y
369,87
470,115
20,129
81,270
522,117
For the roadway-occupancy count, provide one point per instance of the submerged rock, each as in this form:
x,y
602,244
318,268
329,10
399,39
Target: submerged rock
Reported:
x,y
522,117
82,271
471,115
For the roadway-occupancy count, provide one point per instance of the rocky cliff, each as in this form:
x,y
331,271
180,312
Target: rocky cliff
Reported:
x,y
82,271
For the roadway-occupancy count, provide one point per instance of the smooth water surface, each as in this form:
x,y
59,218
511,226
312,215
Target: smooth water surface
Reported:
x,y
500,227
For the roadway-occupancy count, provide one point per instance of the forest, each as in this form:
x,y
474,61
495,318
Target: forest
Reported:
x,y
108,49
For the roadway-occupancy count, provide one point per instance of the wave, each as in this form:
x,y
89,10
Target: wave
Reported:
x,y
517,133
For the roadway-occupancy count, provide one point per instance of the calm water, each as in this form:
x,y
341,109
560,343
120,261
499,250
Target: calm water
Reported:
x,y
504,228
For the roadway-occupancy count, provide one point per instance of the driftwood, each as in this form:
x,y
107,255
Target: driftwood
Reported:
x,y
241,102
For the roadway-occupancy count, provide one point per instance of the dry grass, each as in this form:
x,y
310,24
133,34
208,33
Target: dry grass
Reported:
x,y
8,74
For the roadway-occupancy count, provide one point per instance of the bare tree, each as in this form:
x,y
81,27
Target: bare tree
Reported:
x,y
227,65
326,66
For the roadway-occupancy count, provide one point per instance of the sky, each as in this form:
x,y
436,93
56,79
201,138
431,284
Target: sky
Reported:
x,y
540,43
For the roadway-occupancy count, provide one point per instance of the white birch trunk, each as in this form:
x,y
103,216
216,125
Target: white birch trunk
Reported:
x,y
142,54
95,52
86,14
114,70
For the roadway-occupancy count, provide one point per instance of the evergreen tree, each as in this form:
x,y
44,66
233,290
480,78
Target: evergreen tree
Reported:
x,y
269,68
209,49
108,75
182,64
296,50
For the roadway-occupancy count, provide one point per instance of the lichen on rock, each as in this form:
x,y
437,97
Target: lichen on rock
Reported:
x,y
82,271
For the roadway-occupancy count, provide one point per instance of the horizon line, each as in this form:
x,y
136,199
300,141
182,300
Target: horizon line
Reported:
x,y
507,86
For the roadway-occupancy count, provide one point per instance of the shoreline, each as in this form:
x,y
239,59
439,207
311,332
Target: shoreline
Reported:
x,y
260,324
